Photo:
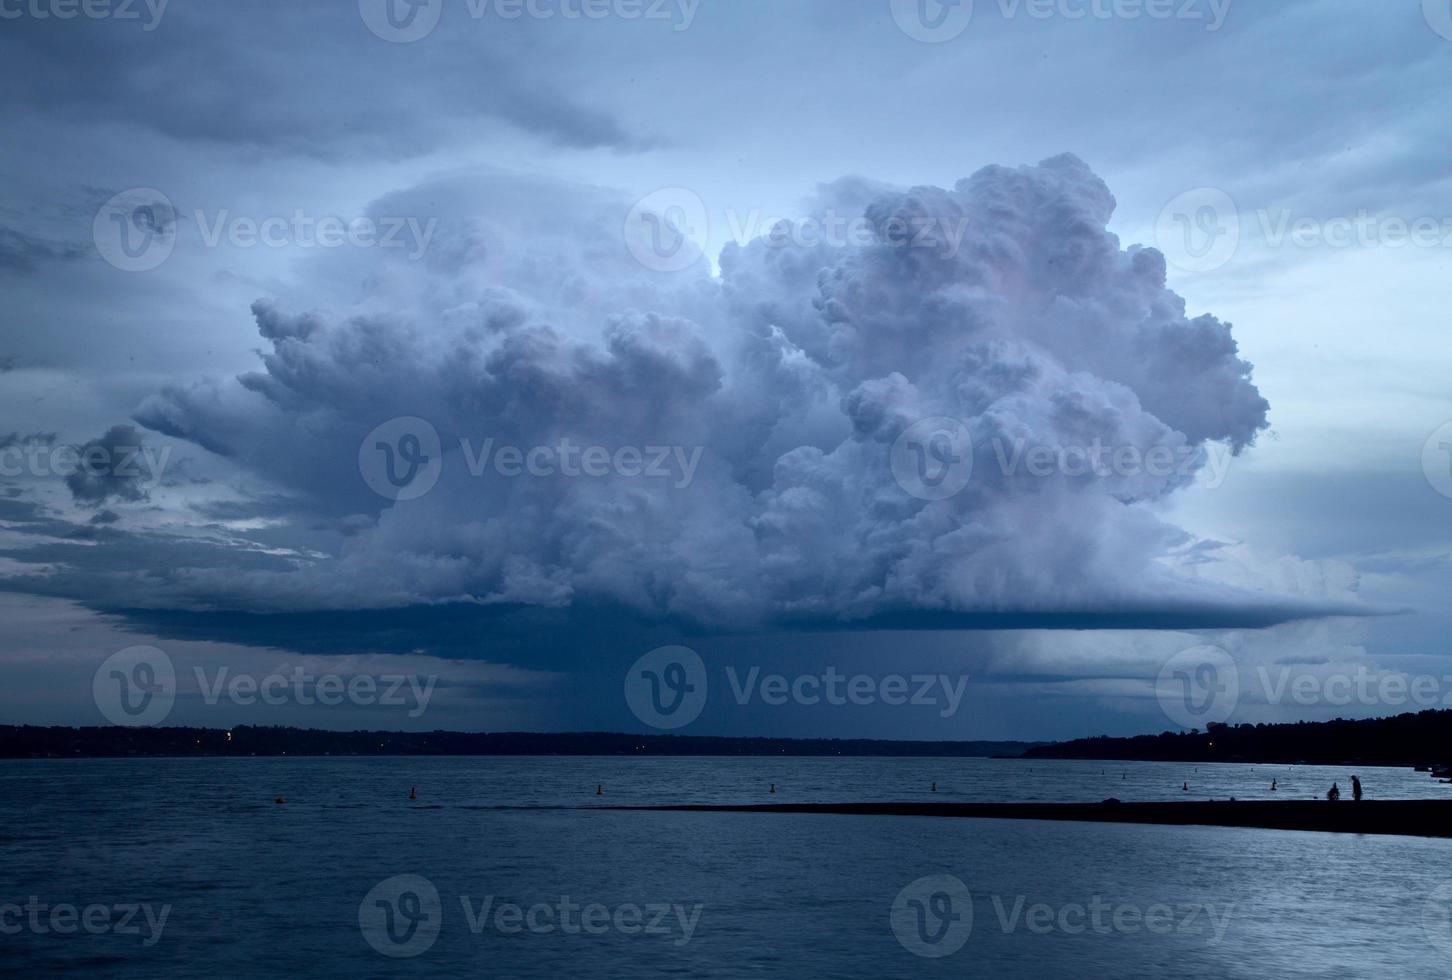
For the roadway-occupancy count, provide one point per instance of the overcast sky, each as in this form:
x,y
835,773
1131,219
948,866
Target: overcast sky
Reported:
x,y
1072,355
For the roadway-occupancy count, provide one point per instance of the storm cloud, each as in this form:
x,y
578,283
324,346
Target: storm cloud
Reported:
x,y
788,378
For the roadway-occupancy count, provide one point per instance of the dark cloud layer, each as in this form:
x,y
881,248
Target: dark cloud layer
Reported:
x,y
296,78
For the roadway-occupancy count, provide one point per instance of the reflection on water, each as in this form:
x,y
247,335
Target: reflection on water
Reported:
x,y
218,880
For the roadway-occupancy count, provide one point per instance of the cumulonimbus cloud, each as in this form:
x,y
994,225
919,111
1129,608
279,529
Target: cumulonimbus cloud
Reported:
x,y
794,370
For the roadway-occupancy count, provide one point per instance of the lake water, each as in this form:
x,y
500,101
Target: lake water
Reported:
x,y
186,867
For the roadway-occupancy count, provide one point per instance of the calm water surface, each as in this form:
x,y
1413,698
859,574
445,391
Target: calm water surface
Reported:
x,y
349,873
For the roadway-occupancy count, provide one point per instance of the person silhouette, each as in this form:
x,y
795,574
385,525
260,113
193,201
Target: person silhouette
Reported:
x,y
1356,788
1334,793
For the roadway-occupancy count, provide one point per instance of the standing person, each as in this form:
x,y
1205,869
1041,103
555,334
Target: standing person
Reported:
x,y
1334,793
1356,788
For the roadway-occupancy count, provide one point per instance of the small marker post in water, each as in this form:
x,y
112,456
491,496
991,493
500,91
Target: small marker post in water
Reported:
x,y
773,788
935,786
599,789
413,792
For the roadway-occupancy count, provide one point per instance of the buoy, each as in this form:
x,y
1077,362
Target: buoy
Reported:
x,y
279,800
413,793
935,787
1273,785
773,788
1186,787
599,790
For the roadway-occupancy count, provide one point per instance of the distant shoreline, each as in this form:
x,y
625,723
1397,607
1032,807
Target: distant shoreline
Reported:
x,y
1421,739
1408,740
55,742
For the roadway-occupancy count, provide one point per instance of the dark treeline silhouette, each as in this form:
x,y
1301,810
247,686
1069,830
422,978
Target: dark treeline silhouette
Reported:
x,y
32,742
1424,738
